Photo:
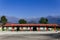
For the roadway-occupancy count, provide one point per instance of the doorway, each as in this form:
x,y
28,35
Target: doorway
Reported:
x,y
34,28
18,29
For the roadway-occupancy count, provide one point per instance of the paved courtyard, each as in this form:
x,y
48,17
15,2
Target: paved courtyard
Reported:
x,y
55,36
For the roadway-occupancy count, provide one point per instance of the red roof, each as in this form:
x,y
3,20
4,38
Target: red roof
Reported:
x,y
30,24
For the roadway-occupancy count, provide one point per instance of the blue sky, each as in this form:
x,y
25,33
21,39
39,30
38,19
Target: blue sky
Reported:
x,y
30,8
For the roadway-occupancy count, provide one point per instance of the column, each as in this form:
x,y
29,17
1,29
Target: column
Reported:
x,y
38,28
12,29
30,29
21,28
46,28
2,28
54,28
6,28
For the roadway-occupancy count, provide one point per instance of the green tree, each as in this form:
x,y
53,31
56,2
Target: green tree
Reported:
x,y
22,21
4,21
43,20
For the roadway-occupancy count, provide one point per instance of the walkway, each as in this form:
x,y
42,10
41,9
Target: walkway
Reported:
x,y
26,32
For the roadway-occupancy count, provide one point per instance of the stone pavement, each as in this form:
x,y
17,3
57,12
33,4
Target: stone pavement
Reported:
x,y
24,35
26,32
29,37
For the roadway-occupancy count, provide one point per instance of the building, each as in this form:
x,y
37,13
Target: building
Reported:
x,y
30,27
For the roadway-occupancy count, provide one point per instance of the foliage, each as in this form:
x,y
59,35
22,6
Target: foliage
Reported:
x,y
43,20
22,21
3,19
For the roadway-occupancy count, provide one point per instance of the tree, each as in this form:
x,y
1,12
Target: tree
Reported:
x,y
43,20
22,21
4,21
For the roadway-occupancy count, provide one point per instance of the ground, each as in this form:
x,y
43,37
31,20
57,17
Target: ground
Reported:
x,y
30,36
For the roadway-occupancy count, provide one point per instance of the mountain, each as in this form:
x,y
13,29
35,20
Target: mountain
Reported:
x,y
12,19
33,20
54,19
51,19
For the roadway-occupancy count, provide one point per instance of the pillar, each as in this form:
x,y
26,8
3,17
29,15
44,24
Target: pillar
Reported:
x,y
21,28
30,29
54,28
46,28
12,29
6,28
2,28
38,28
